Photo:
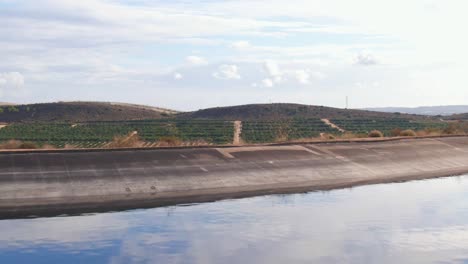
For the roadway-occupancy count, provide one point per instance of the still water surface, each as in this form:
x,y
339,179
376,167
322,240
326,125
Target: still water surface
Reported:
x,y
414,222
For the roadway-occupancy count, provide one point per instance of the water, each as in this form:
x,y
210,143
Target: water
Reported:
x,y
414,222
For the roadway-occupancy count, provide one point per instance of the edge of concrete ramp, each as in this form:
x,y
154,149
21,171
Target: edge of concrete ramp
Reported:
x,y
73,182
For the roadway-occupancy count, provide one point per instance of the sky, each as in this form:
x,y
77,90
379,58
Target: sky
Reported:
x,y
188,55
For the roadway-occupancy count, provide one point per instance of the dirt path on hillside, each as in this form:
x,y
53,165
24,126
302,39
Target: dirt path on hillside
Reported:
x,y
328,122
3,125
237,132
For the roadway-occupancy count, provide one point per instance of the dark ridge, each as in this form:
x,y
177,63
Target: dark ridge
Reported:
x,y
463,116
103,111
79,112
289,111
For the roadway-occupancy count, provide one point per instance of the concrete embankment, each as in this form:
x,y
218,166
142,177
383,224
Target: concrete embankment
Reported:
x,y
52,183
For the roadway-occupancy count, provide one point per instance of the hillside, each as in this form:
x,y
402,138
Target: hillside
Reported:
x,y
102,111
463,116
425,110
288,111
68,124
79,112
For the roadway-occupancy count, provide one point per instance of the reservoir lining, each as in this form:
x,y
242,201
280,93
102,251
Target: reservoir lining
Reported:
x,y
54,183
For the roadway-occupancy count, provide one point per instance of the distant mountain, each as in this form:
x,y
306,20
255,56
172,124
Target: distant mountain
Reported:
x,y
425,110
80,112
287,111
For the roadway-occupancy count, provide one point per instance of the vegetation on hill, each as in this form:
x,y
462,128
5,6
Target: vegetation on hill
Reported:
x,y
289,111
79,112
387,126
98,125
101,111
284,130
99,134
457,117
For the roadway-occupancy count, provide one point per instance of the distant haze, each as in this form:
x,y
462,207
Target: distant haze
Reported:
x,y
425,110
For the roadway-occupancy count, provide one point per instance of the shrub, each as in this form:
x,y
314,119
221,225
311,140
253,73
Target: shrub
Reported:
x,y
11,144
408,133
361,135
198,142
351,135
395,132
169,141
16,144
13,109
27,145
375,134
48,146
132,140
455,128
433,131
421,133
282,134
348,135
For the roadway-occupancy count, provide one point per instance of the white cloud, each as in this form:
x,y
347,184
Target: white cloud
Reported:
x,y
302,76
240,44
227,72
196,60
11,80
11,83
178,76
275,75
267,82
272,68
305,76
365,59
318,75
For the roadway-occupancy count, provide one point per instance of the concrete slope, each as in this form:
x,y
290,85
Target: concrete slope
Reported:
x,y
75,182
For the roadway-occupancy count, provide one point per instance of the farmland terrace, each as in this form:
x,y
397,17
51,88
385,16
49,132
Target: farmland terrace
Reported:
x,y
207,131
95,125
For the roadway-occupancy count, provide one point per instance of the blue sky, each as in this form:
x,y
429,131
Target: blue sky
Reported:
x,y
188,55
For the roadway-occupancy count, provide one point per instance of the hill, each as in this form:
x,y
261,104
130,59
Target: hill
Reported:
x,y
425,110
103,111
79,112
463,116
67,124
289,111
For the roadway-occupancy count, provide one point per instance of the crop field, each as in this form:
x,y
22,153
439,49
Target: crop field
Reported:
x,y
271,131
386,125
97,134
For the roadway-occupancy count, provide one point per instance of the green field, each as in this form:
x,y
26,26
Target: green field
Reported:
x,y
96,134
385,125
271,131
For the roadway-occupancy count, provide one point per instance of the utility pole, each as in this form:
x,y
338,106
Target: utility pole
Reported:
x,y
346,102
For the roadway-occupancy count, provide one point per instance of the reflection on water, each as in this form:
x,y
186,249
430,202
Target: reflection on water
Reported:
x,y
415,222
